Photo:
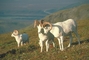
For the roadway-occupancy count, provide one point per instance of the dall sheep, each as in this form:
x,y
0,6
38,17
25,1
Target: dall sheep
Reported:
x,y
48,38
61,29
20,38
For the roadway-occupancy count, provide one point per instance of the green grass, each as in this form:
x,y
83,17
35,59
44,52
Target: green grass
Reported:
x,y
31,51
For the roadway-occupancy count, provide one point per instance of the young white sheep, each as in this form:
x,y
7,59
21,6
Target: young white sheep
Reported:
x,y
61,29
20,38
44,37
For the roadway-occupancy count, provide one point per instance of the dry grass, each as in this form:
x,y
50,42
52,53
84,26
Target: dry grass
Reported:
x,y
9,50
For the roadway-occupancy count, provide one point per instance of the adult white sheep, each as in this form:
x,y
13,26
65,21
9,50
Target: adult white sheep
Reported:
x,y
49,38
61,29
20,38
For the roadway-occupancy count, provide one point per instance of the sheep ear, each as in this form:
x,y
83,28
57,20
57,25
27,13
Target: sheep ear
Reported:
x,y
36,22
41,23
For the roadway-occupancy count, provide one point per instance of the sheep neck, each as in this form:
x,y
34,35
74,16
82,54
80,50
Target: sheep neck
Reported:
x,y
17,37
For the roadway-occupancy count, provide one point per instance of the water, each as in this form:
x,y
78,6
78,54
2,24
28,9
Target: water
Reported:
x,y
10,22
20,17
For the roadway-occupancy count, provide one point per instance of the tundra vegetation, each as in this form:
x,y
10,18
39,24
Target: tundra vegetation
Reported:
x,y
9,49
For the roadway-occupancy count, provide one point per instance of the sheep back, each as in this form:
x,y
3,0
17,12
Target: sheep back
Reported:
x,y
25,37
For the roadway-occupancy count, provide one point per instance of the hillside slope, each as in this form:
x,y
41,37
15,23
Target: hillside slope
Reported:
x,y
76,13
31,51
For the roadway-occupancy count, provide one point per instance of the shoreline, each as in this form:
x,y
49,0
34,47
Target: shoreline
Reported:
x,y
10,25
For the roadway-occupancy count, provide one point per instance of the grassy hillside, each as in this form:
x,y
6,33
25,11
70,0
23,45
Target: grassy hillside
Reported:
x,y
31,51
76,13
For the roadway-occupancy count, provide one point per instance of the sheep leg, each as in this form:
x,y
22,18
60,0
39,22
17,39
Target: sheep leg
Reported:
x,y
21,43
18,44
47,45
71,38
78,38
62,48
59,43
24,43
41,45
60,40
53,44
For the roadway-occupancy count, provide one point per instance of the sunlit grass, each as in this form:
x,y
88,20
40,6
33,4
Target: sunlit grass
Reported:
x,y
31,51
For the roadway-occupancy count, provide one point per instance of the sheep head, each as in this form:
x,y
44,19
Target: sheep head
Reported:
x,y
46,26
15,32
42,24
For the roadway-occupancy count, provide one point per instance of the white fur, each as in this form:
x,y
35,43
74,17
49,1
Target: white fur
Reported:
x,y
45,37
20,38
61,29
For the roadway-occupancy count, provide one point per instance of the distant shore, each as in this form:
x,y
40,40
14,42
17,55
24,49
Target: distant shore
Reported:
x,y
9,25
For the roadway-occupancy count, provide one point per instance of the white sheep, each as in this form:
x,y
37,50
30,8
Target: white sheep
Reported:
x,y
61,29
48,38
20,38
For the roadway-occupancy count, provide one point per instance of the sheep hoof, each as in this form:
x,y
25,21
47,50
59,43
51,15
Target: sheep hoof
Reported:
x,y
69,45
40,51
62,50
